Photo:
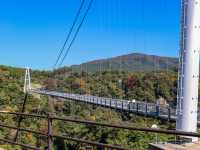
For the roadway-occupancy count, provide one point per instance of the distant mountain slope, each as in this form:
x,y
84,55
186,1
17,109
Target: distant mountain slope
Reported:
x,y
130,62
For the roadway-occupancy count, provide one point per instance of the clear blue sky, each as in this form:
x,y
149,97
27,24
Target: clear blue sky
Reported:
x,y
33,31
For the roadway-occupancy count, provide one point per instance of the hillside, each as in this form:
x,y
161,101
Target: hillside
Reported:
x,y
129,62
146,86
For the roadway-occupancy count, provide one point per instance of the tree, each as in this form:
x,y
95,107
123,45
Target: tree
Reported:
x,y
50,84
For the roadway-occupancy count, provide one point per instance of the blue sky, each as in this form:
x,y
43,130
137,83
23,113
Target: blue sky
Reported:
x,y
33,31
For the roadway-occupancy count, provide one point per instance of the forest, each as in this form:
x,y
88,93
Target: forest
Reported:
x,y
144,86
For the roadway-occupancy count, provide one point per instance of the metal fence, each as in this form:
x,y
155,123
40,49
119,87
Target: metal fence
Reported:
x,y
51,136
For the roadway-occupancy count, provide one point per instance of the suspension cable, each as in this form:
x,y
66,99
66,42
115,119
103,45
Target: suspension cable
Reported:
x,y
70,32
76,33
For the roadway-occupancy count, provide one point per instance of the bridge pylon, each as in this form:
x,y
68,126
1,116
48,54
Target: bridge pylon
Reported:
x,y
187,97
27,80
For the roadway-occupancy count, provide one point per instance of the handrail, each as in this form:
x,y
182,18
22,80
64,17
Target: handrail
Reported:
x,y
19,144
174,132
49,135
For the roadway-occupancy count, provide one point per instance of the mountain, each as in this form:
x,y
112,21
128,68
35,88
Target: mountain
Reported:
x,y
129,62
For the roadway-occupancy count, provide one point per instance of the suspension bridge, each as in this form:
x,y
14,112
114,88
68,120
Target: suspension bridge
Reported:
x,y
186,114
138,107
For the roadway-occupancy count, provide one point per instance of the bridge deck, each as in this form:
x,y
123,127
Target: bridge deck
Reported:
x,y
138,107
141,108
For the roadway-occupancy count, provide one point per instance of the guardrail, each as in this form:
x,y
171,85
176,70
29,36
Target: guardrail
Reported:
x,y
50,135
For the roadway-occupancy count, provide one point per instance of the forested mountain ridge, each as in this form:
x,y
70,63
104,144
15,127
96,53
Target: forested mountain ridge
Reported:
x,y
129,62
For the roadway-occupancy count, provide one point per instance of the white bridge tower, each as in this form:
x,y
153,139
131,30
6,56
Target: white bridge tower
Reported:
x,y
187,97
27,81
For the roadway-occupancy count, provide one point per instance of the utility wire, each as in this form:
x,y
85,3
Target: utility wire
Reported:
x,y
69,33
77,31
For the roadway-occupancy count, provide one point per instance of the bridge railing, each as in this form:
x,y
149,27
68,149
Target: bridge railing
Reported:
x,y
50,134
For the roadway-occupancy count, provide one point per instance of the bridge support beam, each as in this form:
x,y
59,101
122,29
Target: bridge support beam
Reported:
x,y
187,99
